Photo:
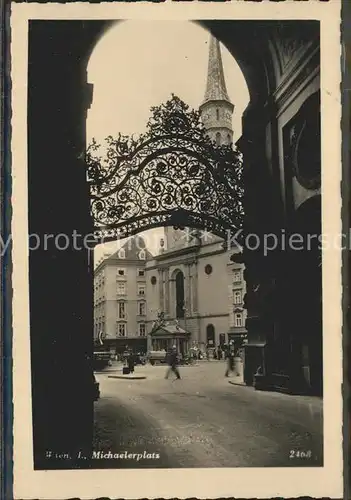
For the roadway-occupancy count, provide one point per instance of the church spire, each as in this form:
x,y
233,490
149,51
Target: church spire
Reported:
x,y
216,89
216,110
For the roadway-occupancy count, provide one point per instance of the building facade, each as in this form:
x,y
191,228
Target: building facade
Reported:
x,y
195,283
236,294
120,301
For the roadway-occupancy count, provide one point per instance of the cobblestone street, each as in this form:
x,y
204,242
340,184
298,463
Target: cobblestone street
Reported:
x,y
202,421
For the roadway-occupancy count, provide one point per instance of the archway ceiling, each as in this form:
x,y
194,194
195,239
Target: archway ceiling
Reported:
x,y
242,39
250,43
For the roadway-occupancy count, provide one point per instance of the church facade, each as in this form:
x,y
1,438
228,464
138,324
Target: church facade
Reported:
x,y
194,283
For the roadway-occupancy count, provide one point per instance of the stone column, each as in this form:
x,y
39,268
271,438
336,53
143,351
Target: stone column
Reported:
x,y
166,291
187,294
260,219
149,343
194,288
161,288
61,295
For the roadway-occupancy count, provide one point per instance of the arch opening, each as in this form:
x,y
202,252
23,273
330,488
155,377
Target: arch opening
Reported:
x,y
133,109
210,335
179,283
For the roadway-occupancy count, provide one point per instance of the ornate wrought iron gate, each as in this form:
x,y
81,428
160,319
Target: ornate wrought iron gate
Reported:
x,y
172,175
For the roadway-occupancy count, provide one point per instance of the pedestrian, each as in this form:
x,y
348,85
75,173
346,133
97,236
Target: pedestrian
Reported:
x,y
131,362
237,362
173,363
230,361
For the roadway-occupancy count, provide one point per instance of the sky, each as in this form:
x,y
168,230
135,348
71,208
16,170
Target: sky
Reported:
x,y
130,77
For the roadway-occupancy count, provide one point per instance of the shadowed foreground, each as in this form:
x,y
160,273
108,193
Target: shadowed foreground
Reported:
x,y
202,421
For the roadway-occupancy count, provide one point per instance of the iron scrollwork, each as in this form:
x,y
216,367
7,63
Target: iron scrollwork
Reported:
x,y
173,175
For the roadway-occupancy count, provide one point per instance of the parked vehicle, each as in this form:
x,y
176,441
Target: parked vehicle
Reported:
x,y
154,357
140,359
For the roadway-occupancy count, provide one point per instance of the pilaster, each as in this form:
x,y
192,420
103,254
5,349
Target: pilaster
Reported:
x,y
161,288
166,292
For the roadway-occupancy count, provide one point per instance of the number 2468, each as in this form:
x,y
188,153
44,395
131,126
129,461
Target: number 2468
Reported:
x,y
300,454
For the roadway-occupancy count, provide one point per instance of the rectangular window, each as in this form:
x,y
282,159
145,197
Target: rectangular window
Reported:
x,y
237,277
141,272
141,308
142,329
121,329
121,288
141,289
121,272
121,310
238,319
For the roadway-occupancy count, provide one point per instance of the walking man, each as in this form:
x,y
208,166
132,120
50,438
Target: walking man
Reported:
x,y
230,361
131,361
172,363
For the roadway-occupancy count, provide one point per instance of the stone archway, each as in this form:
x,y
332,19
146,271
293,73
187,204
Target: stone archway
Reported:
x,y
210,335
306,296
279,62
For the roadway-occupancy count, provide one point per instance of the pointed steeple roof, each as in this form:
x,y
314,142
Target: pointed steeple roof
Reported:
x,y
216,89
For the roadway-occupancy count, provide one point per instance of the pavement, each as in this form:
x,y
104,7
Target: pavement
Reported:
x,y
202,420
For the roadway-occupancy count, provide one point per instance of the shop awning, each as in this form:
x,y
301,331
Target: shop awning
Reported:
x,y
237,332
256,344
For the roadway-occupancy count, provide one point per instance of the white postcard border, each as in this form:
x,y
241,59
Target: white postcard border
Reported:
x,y
181,483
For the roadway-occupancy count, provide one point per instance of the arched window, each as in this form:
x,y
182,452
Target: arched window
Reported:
x,y
217,114
210,335
229,139
237,297
122,254
180,295
218,138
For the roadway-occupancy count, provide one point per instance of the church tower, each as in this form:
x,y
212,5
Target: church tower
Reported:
x,y
216,110
216,113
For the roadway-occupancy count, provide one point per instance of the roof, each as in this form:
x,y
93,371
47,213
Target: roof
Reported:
x,y
170,329
132,248
216,89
